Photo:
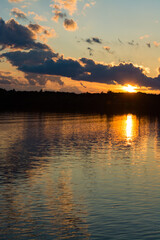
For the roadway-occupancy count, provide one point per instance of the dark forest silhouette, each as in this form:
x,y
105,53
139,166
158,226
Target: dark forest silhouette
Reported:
x,y
110,103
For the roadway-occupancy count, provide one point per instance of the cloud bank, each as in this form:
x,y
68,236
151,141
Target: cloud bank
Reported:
x,y
41,64
84,69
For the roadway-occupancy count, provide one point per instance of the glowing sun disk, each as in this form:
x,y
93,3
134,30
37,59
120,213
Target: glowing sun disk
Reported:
x,y
129,88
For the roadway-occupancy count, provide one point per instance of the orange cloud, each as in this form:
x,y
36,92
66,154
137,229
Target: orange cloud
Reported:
x,y
88,5
70,25
37,17
15,1
107,48
143,37
58,14
42,32
18,13
69,5
156,44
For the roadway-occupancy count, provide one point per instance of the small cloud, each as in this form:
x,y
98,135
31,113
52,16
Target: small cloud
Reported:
x,y
24,6
156,44
96,40
70,25
35,27
93,40
17,13
145,36
6,78
148,45
88,40
71,89
69,5
108,49
37,17
15,1
83,85
40,18
41,31
58,14
119,40
132,43
90,51
41,79
31,13
89,5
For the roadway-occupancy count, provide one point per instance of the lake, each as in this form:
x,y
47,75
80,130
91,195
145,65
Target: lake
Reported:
x,y
78,176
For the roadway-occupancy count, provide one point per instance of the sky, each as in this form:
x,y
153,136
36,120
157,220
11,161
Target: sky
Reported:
x,y
80,45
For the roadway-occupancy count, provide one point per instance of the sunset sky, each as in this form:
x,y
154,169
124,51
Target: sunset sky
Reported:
x,y
80,45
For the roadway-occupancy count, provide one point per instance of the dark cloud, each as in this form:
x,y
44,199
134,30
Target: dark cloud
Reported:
x,y
6,78
96,40
58,14
83,85
38,29
93,40
35,27
33,79
90,51
61,15
33,57
71,89
41,32
119,40
88,70
132,43
148,45
15,35
40,66
84,69
4,82
61,67
41,79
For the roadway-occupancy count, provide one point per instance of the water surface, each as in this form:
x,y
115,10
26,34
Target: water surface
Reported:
x,y
79,177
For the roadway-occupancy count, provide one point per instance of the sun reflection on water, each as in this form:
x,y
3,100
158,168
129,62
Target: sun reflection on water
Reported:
x,y
129,128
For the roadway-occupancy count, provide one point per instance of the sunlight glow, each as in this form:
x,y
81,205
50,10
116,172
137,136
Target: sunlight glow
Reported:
x,y
130,88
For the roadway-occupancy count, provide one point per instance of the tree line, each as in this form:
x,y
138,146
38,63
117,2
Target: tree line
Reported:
x,y
109,103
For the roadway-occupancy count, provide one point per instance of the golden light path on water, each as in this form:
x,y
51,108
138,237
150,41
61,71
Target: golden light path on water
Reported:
x,y
129,128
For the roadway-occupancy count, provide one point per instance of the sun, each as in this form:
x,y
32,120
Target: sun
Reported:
x,y
130,88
